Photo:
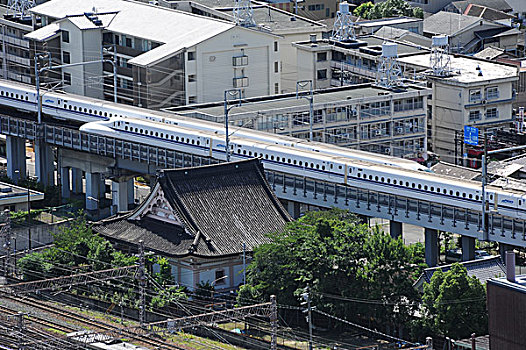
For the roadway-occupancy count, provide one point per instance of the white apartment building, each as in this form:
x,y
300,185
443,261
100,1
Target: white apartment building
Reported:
x,y
164,57
478,93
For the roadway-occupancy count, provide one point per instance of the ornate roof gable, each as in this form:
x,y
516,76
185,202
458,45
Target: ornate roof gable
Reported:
x,y
157,207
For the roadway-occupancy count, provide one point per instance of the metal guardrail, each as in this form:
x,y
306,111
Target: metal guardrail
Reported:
x,y
309,191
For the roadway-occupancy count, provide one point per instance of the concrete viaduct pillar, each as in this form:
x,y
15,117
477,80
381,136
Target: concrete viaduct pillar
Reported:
x,y
294,209
395,229
76,181
93,187
119,195
468,248
431,247
65,183
44,163
131,192
16,158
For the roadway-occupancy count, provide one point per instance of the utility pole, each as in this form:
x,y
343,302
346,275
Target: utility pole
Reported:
x,y
456,147
306,297
6,233
300,85
485,236
233,93
142,284
273,323
20,327
245,264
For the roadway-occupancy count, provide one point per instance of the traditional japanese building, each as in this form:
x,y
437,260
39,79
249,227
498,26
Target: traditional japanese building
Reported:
x,y
200,218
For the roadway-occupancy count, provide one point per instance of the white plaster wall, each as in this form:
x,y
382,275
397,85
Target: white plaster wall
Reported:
x,y
214,69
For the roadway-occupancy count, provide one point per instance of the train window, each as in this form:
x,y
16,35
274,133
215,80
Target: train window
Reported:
x,y
250,153
110,115
317,166
477,197
323,167
2,93
463,195
359,175
244,151
266,156
100,112
16,96
520,202
470,196
193,141
376,178
177,138
370,177
413,184
457,194
350,170
198,142
162,135
295,162
90,111
444,191
419,186
388,180
301,163
425,187
105,114
451,192
85,110
288,161
331,166
432,189
340,167
394,181
126,128
12,95
27,98
490,196
382,179
272,157
406,184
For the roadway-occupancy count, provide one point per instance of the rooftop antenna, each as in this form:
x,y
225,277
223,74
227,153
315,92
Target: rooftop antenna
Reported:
x,y
389,71
440,60
343,25
243,13
20,8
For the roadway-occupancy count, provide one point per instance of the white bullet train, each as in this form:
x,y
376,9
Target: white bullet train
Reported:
x,y
290,160
79,109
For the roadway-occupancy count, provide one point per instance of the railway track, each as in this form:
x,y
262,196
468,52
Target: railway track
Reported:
x,y
96,326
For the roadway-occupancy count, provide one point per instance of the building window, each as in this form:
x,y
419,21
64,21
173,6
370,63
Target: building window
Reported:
x,y
220,277
474,115
192,99
191,78
492,92
276,67
236,61
322,56
191,55
67,79
492,113
66,57
240,82
474,95
276,88
322,74
275,46
65,36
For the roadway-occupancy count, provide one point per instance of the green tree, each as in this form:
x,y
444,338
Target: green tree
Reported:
x,y
363,10
454,304
351,270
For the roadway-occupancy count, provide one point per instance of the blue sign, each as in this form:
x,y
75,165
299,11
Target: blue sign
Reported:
x,y
471,135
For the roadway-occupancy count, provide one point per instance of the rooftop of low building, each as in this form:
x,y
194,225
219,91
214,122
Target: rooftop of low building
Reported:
x,y
466,70
286,101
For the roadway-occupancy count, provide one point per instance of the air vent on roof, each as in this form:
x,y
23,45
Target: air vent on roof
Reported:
x,y
93,18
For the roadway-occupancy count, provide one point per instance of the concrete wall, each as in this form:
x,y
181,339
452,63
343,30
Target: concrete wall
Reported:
x,y
40,235
214,70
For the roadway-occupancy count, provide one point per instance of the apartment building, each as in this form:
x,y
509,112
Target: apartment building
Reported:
x,y
477,93
287,27
15,59
361,116
164,57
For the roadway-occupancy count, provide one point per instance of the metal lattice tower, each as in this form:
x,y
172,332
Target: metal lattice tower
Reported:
x,y
20,8
439,59
243,13
343,25
389,71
